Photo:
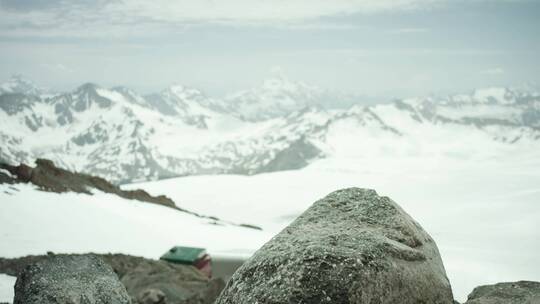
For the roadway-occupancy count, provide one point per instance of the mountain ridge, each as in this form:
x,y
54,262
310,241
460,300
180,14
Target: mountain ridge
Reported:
x,y
126,137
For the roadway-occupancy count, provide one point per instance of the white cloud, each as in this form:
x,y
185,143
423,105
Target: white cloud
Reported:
x,y
409,31
256,10
97,15
493,71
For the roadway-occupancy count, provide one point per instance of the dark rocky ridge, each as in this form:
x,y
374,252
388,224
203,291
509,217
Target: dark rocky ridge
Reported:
x,y
50,178
143,279
352,246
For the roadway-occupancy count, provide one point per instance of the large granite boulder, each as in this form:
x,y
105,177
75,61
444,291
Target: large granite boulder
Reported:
x,y
522,292
352,246
69,279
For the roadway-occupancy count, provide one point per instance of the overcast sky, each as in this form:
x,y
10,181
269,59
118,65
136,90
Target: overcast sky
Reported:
x,y
373,47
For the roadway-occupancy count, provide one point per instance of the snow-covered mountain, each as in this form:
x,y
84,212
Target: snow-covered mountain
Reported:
x,y
278,96
123,136
19,84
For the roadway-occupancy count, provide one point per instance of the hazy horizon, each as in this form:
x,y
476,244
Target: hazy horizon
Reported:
x,y
360,98
381,49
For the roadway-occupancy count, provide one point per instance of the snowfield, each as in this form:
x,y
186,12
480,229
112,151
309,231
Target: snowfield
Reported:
x,y
34,222
483,213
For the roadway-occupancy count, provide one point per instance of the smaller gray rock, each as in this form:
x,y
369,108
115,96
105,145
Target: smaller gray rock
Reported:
x,y
522,292
70,279
180,284
151,296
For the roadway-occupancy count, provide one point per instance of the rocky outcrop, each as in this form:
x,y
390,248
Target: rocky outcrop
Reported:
x,y
80,279
48,177
352,246
6,178
522,292
146,281
51,178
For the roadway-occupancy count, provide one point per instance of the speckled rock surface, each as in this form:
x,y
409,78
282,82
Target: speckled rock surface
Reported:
x,y
353,246
522,292
78,279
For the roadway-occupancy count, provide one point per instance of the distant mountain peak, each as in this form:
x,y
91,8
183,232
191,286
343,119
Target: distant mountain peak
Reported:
x,y
17,83
19,77
492,94
283,84
183,92
177,87
87,87
277,96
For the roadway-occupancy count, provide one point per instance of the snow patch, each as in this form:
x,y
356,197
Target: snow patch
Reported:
x,y
6,172
7,285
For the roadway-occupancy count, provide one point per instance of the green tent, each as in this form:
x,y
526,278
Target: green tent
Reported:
x,y
184,255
